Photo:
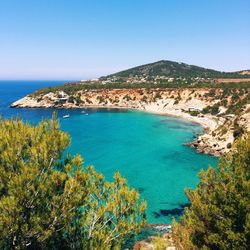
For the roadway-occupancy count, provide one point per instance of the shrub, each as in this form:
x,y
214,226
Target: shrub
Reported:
x,y
71,99
144,99
157,95
215,109
238,132
127,98
206,110
194,113
78,100
218,217
50,202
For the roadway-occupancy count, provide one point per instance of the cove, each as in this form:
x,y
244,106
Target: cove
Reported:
x,y
147,149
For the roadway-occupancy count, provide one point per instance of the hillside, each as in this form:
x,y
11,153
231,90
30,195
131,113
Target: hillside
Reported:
x,y
171,69
224,113
244,72
219,101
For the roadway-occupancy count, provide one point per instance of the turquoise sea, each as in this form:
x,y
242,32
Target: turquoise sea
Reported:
x,y
147,149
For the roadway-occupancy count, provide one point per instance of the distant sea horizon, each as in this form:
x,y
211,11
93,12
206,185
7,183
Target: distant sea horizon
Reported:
x,y
147,149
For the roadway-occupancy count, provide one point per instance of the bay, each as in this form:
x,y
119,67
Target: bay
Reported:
x,y
149,150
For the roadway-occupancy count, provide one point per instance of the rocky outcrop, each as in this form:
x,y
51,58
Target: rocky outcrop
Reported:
x,y
161,238
208,107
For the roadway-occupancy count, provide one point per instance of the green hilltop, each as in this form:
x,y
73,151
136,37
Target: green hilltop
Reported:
x,y
161,74
172,69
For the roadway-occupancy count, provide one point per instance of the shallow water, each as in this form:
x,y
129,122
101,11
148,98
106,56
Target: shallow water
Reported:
x,y
147,149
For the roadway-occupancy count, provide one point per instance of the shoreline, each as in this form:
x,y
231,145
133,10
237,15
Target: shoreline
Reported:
x,y
200,106
206,122
192,119
182,115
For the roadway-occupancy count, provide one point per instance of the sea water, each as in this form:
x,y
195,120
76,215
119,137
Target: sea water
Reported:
x,y
149,150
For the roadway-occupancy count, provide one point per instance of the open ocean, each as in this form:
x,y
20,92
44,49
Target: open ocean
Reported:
x,y
147,149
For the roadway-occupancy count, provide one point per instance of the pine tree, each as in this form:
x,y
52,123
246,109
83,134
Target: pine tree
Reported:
x,y
49,201
219,216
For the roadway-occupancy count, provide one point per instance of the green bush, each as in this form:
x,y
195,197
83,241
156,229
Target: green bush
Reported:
x,y
50,202
219,215
194,113
215,109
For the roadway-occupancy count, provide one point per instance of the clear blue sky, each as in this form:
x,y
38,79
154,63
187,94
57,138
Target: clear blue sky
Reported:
x,y
79,39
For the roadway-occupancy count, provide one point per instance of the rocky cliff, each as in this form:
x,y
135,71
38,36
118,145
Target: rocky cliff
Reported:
x,y
224,113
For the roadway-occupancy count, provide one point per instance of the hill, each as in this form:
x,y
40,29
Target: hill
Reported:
x,y
244,72
219,101
171,69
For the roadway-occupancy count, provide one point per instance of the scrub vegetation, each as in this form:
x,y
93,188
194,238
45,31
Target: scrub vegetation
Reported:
x,y
48,201
219,215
